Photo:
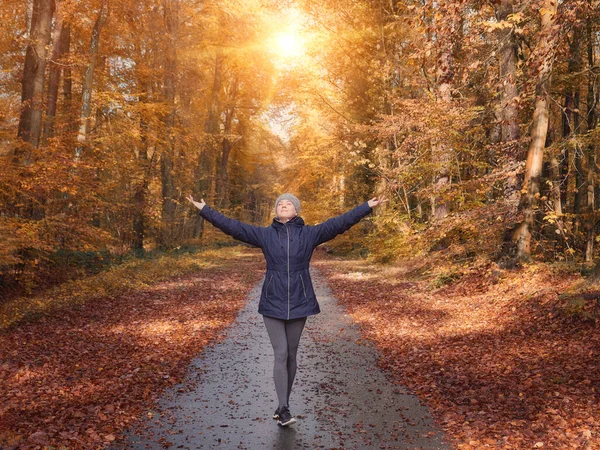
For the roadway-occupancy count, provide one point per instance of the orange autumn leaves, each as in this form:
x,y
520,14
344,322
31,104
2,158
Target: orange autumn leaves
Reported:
x,y
81,376
492,354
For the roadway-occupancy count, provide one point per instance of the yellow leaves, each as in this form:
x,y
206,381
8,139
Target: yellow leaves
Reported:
x,y
517,17
547,11
494,25
551,217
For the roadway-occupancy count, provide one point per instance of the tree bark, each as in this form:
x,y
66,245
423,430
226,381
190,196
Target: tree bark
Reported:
x,y
169,194
592,123
30,121
67,90
86,106
141,187
207,167
539,129
58,43
226,146
442,153
223,191
573,181
141,191
508,113
211,125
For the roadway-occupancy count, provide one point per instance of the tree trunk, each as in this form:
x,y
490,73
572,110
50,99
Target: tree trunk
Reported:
x,y
169,194
571,127
508,114
227,145
555,199
58,42
141,190
592,122
67,91
86,106
214,111
30,121
580,179
207,169
442,153
539,129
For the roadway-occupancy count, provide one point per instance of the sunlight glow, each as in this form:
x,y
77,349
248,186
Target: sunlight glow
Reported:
x,y
289,44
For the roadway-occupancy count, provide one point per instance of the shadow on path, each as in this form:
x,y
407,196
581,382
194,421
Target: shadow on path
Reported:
x,y
341,398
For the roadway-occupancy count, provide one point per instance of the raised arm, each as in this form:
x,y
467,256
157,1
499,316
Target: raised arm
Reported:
x,y
337,225
239,230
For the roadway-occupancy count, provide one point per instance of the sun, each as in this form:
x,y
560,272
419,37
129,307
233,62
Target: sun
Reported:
x,y
289,45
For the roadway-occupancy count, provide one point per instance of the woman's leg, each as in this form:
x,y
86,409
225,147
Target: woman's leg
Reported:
x,y
285,338
277,335
293,331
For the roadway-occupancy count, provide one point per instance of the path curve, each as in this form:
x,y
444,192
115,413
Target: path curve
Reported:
x,y
341,399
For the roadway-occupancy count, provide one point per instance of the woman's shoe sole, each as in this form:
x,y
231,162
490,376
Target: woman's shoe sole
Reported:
x,y
289,422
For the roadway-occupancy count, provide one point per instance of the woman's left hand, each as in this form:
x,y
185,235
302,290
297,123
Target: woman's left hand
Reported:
x,y
376,201
199,204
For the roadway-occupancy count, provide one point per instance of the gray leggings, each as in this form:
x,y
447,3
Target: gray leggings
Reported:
x,y
285,338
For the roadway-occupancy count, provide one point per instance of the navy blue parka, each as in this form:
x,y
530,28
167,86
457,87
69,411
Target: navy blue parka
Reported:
x,y
287,291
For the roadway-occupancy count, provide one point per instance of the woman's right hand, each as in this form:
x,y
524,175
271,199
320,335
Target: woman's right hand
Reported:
x,y
199,204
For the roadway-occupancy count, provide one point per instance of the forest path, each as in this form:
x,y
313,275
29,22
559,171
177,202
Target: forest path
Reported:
x,y
341,398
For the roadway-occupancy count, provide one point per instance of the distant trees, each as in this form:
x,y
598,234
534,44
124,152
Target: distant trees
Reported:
x,y
122,113
487,139
478,120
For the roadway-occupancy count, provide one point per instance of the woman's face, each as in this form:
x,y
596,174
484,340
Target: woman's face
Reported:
x,y
285,210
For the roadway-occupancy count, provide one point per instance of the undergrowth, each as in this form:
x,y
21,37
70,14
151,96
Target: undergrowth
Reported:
x,y
133,274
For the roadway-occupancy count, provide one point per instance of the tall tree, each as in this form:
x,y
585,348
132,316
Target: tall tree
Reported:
x,y
59,48
546,47
507,118
227,144
442,152
30,122
88,83
169,192
592,159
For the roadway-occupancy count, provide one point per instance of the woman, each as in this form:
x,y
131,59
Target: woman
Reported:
x,y
287,296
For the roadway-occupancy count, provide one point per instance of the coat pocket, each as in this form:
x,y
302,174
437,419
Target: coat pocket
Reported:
x,y
303,286
267,287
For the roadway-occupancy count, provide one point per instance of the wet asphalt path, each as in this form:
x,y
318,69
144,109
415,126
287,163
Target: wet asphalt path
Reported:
x,y
341,399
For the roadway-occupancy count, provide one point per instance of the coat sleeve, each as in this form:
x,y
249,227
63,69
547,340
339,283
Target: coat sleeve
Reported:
x,y
337,225
239,230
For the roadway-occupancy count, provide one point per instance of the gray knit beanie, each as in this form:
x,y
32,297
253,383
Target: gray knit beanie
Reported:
x,y
292,198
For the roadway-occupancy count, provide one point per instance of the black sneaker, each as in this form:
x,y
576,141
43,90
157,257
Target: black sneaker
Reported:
x,y
285,417
276,414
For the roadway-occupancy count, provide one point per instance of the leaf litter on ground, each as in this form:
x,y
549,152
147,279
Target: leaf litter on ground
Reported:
x,y
78,377
495,355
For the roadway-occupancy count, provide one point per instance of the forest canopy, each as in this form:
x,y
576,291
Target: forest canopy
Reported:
x,y
478,120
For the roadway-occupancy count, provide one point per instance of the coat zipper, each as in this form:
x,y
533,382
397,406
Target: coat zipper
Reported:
x,y
288,268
